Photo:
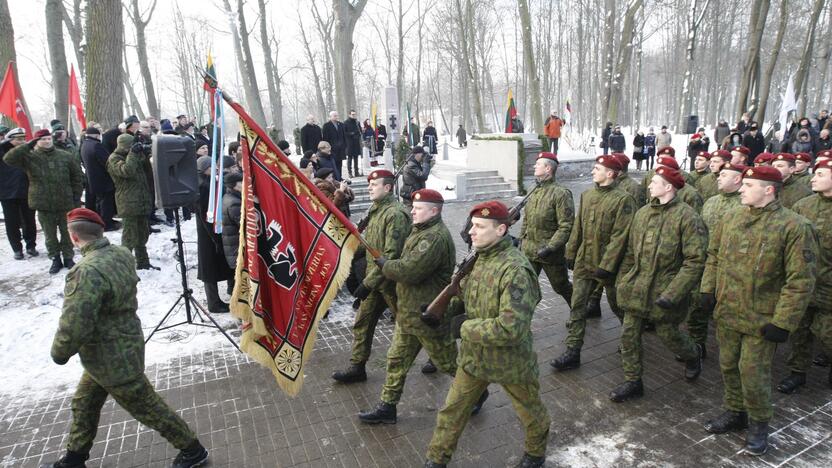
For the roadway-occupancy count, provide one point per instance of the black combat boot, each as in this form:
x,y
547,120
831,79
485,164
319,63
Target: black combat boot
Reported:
x,y
821,360
729,421
215,304
68,262
70,460
530,461
147,266
792,383
429,367
194,455
478,407
693,367
354,373
32,251
430,464
756,441
56,265
627,391
18,255
593,308
385,413
571,359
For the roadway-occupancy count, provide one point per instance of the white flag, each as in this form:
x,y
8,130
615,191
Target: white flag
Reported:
x,y
789,105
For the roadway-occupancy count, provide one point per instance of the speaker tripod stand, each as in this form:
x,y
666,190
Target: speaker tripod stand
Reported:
x,y
193,309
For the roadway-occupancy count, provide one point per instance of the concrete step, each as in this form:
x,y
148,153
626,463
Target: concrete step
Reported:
x,y
492,195
476,179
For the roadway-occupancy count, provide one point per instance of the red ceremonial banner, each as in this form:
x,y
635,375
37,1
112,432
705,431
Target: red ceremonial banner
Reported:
x,y
295,252
12,104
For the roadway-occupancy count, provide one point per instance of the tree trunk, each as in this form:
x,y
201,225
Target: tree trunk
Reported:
x,y
803,70
466,26
765,86
271,73
687,93
750,71
400,53
75,28
531,68
346,16
255,105
57,59
623,63
319,97
140,24
7,51
105,39
823,64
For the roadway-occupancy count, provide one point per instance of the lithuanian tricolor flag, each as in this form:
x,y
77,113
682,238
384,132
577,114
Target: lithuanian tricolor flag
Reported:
x,y
511,112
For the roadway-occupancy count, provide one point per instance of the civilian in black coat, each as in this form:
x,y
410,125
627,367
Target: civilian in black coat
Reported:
x,y
310,135
333,133
100,189
14,193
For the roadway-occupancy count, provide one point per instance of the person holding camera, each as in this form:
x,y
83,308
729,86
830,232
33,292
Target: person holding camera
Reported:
x,y
414,174
126,168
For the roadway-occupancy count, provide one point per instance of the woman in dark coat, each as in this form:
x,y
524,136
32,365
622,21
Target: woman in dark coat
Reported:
x,y
638,149
430,138
212,265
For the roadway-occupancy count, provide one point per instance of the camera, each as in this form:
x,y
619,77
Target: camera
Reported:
x,y
144,141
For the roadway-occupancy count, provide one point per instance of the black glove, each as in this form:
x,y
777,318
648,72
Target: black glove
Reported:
x,y
137,148
664,302
544,252
603,274
356,304
380,261
361,292
60,361
32,143
707,301
456,324
570,263
773,333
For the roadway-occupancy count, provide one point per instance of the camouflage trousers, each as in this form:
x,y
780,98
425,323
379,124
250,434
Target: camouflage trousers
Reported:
x,y
402,353
674,339
745,362
596,296
464,392
53,223
583,288
366,320
134,234
697,317
558,277
813,324
138,398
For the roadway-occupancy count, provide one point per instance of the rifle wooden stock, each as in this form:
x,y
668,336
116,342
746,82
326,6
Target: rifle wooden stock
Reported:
x,y
432,314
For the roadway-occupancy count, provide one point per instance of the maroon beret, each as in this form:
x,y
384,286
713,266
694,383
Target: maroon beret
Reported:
x,y
734,167
741,149
704,154
671,175
825,164
610,162
763,158
825,154
668,150
42,133
84,214
380,174
783,157
548,155
766,173
427,196
724,154
622,158
668,161
491,209
805,157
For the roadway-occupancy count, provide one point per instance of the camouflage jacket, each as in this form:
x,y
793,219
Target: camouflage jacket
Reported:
x,y
626,183
127,170
386,231
718,206
599,237
421,272
706,185
818,210
761,267
690,196
665,257
500,295
99,320
805,177
792,191
696,175
548,220
55,177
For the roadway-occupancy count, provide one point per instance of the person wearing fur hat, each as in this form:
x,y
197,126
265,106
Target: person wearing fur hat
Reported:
x,y
338,192
14,189
212,266
55,187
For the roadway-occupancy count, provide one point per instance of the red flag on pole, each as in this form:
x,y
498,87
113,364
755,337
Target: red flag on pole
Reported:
x,y
295,253
12,104
75,99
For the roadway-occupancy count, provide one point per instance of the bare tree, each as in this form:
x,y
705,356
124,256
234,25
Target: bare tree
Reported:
x,y
57,58
748,89
271,72
105,37
140,23
347,13
765,85
531,68
7,50
625,54
75,27
823,62
802,74
694,19
319,98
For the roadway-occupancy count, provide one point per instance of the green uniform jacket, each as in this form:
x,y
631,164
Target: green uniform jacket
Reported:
x,y
717,207
665,257
55,177
387,230
626,183
696,175
690,196
599,236
99,319
127,170
761,267
548,220
818,210
804,177
421,272
792,191
500,295
706,185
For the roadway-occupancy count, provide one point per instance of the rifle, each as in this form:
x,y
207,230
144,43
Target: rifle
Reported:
x,y
432,314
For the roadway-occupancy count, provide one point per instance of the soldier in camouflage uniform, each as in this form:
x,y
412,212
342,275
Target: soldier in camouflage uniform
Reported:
x,y
499,297
793,189
817,320
664,260
802,163
595,249
55,186
740,155
763,159
667,151
688,194
705,182
421,272
549,215
387,229
759,275
99,323
126,167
